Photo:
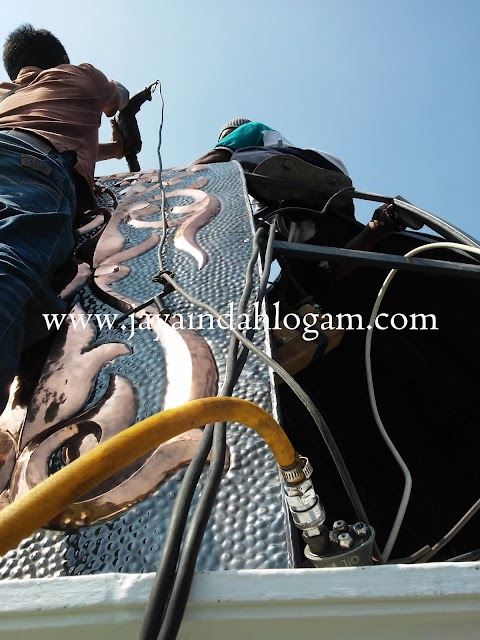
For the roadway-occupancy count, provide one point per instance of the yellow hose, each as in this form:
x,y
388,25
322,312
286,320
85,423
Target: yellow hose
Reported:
x,y
53,495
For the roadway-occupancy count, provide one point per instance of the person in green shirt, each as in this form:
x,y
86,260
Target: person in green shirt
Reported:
x,y
251,142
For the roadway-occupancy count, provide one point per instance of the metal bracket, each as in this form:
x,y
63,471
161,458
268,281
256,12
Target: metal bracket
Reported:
x,y
157,300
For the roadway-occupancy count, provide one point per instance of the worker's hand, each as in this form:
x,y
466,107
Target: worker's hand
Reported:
x,y
113,149
117,140
385,219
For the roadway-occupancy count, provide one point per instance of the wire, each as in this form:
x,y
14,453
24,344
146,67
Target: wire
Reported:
x,y
165,576
161,588
160,129
371,391
471,556
413,557
162,584
303,210
299,392
453,531
193,539
174,605
262,290
330,200
160,179
171,587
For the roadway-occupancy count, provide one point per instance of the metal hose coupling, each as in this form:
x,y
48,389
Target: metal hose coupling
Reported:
x,y
307,511
347,546
344,546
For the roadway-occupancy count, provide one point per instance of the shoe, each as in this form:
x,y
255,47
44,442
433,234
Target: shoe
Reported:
x,y
297,171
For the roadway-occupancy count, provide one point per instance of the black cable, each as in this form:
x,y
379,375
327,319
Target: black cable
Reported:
x,y
262,291
330,200
247,290
160,128
412,558
165,575
161,591
471,556
193,539
303,210
452,533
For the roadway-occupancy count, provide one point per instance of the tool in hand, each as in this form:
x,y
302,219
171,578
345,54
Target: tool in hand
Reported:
x,y
127,123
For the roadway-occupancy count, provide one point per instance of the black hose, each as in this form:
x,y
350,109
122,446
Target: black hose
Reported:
x,y
193,539
162,584
186,567
163,596
262,291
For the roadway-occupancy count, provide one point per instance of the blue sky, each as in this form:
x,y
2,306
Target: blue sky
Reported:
x,y
391,87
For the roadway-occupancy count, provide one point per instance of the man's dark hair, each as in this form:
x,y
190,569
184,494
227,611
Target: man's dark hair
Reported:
x,y
29,47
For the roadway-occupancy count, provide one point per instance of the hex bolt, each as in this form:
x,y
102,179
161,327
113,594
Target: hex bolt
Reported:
x,y
339,526
345,540
360,529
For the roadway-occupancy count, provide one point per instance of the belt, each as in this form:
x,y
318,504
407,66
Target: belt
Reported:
x,y
34,140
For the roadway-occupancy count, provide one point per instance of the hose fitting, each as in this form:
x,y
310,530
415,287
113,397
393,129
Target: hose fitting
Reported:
x,y
345,545
307,512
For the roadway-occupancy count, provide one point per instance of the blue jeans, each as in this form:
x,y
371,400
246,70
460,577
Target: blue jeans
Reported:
x,y
37,207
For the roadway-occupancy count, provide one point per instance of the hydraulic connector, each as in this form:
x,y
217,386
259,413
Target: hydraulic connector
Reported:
x,y
308,513
345,545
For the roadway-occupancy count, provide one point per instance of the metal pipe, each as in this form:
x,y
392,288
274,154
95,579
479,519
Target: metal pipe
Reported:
x,y
378,260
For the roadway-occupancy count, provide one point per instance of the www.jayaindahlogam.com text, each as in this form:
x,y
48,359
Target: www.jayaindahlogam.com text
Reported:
x,y
309,324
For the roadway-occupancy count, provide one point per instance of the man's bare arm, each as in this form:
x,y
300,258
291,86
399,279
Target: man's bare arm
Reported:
x,y
215,155
380,227
114,148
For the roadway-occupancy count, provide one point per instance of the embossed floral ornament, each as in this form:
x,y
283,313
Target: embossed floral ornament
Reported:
x,y
55,427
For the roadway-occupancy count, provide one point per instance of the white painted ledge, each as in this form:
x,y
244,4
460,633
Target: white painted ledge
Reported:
x,y
436,601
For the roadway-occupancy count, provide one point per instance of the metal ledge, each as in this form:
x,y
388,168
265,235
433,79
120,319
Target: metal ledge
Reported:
x,y
440,601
